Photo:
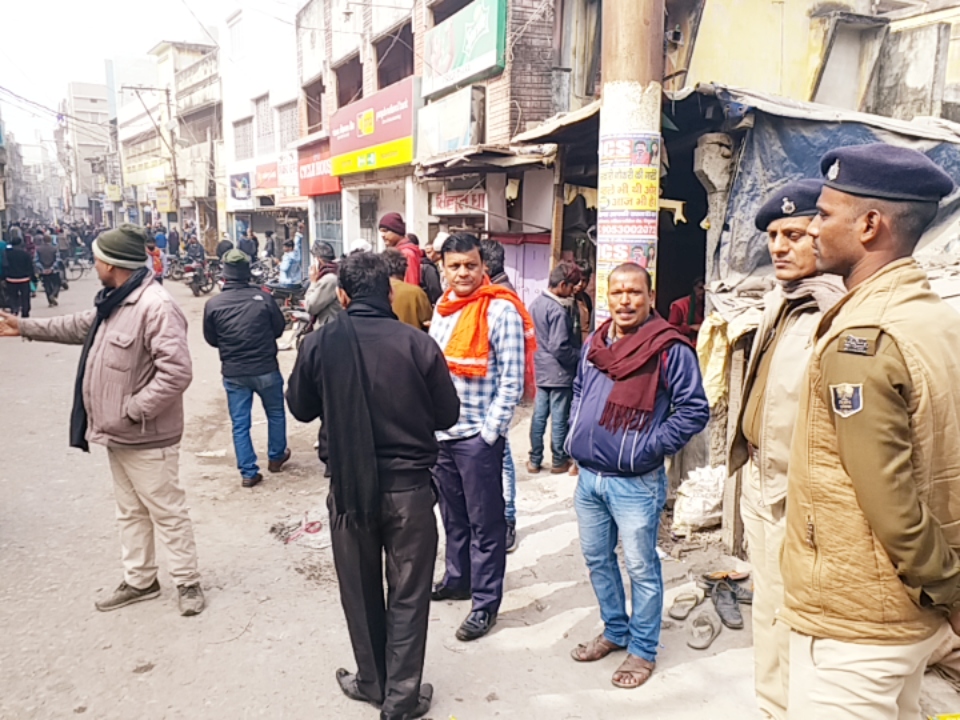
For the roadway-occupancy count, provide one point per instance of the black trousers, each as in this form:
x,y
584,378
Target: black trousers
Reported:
x,y
51,285
389,638
19,295
468,478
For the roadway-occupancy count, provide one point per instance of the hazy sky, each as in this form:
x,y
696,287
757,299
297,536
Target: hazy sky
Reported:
x,y
47,43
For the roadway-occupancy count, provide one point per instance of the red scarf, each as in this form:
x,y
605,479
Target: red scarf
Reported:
x,y
468,350
633,363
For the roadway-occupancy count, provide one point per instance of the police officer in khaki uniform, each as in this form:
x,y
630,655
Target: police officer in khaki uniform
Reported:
x,y
768,414
870,565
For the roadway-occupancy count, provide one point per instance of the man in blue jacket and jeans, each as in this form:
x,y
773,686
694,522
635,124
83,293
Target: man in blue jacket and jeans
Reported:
x,y
637,398
555,364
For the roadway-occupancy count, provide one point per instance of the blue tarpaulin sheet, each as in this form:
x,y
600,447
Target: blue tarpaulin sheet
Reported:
x,y
780,149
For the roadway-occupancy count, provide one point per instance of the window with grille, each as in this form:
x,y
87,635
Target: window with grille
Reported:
x,y
264,113
289,127
243,139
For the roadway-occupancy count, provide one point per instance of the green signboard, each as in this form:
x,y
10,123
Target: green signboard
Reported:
x,y
467,46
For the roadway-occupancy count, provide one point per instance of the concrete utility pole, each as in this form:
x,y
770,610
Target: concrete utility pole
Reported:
x,y
630,140
171,144
173,159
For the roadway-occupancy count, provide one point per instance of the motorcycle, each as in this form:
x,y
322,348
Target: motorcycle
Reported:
x,y
298,323
174,269
201,277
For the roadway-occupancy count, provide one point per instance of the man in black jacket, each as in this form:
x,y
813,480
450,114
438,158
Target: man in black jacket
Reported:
x,y
381,390
18,271
244,323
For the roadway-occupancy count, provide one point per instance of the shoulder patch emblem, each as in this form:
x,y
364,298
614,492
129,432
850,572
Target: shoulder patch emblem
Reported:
x,y
846,399
856,345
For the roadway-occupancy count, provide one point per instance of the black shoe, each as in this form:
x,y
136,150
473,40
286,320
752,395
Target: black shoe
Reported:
x,y
743,593
726,605
512,543
252,481
477,624
442,592
423,705
348,684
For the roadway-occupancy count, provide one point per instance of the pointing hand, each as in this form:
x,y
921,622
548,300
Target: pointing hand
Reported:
x,y
9,325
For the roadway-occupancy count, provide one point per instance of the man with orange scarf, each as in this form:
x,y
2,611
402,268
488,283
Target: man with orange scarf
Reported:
x,y
488,340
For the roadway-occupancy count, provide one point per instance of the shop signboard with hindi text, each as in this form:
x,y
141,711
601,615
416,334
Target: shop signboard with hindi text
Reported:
x,y
469,45
629,188
288,175
458,202
376,132
316,171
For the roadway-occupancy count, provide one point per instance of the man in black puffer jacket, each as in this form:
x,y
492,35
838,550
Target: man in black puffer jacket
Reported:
x,y
243,323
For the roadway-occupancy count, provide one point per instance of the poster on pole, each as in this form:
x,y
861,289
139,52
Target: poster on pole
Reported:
x,y
628,187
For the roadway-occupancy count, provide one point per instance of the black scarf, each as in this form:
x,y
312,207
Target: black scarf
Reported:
x,y
351,451
107,300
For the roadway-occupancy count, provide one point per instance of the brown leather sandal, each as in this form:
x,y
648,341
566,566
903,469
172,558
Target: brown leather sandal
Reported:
x,y
596,649
633,672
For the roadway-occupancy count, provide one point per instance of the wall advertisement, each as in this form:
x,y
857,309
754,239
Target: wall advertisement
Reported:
x,y
267,177
454,121
629,187
469,45
376,132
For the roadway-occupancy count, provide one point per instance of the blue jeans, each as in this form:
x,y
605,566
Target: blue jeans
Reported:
x,y
609,507
555,403
509,484
240,391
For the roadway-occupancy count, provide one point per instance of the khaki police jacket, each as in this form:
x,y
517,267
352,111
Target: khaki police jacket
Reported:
x,y
797,317
873,503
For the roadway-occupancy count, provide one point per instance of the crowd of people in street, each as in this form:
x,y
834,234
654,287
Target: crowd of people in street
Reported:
x,y
417,364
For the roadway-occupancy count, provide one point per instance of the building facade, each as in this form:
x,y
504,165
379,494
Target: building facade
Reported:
x,y
261,124
85,144
154,140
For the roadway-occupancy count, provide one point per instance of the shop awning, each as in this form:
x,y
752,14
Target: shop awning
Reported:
x,y
565,128
572,127
485,158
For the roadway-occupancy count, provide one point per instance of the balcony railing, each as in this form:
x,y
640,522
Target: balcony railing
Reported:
x,y
198,84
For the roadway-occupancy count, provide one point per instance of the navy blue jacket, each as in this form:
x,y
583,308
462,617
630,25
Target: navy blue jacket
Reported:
x,y
680,412
555,361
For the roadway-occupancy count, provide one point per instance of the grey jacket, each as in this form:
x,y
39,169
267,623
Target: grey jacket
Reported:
x,y
555,361
321,299
137,370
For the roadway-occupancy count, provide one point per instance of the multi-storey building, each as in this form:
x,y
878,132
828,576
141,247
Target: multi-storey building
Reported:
x,y
411,106
261,122
86,142
154,139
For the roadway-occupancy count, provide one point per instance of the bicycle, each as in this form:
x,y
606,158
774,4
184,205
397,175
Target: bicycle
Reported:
x,y
76,267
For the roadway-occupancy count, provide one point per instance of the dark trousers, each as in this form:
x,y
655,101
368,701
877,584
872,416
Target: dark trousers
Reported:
x,y
468,478
51,285
19,295
389,640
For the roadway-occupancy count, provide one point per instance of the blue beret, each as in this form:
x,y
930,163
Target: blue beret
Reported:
x,y
887,172
795,199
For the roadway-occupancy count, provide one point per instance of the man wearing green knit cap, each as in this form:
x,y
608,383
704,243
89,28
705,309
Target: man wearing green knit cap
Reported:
x,y
128,397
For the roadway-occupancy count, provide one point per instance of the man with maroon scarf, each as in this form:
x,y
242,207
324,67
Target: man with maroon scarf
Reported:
x,y
637,398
